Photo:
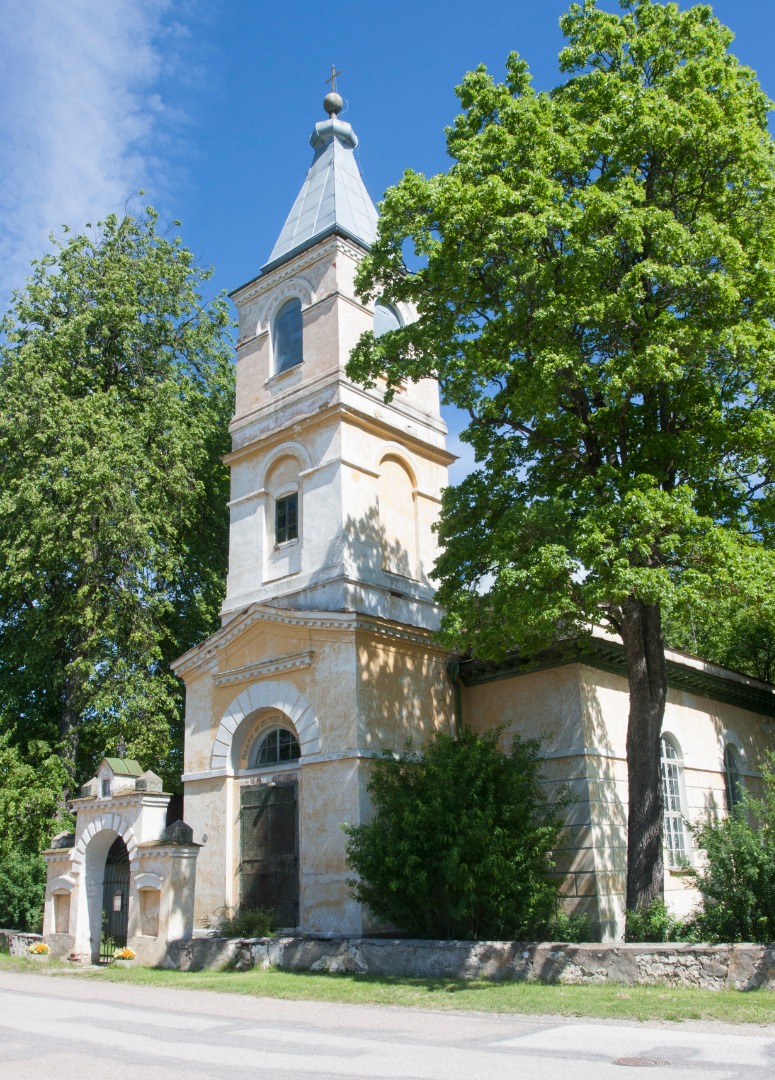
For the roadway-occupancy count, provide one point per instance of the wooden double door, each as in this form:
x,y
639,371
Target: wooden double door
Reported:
x,y
269,850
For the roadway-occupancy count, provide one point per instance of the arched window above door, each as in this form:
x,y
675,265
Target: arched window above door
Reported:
x,y
275,746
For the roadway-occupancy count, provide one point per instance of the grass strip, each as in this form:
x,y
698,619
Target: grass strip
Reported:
x,y
607,1001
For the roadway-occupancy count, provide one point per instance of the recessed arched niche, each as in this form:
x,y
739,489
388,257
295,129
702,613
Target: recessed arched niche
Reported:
x,y
397,517
284,518
386,318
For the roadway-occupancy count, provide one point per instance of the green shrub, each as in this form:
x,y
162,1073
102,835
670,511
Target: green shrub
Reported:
x,y
245,923
459,845
22,891
656,923
573,928
738,882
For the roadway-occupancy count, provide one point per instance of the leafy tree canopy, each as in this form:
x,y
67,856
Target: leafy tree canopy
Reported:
x,y
115,395
597,291
30,812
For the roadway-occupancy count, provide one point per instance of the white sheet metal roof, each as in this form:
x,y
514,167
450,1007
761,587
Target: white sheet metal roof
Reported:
x,y
333,198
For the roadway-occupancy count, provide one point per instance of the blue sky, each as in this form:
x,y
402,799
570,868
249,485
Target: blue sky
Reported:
x,y
208,106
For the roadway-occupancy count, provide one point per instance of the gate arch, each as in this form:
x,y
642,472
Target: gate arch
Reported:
x,y
89,861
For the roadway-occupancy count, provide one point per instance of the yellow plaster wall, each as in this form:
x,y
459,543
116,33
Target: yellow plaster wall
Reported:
x,y
329,796
549,705
206,810
403,692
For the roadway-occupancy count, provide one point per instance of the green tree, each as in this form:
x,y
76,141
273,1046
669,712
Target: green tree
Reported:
x,y
115,394
30,810
459,845
736,629
597,292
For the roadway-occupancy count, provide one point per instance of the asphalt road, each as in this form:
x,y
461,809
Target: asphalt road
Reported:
x,y
53,1027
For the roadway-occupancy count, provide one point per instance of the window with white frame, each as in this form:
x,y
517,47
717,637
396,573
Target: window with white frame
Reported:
x,y
286,520
672,801
732,776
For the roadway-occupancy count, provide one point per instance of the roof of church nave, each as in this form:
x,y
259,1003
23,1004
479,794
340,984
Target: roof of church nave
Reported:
x,y
333,197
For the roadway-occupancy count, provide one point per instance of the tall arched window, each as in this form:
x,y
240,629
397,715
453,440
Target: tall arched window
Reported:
x,y
287,336
672,783
732,777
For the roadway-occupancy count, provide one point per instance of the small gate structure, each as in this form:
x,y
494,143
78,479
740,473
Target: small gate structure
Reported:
x,y
115,901
269,855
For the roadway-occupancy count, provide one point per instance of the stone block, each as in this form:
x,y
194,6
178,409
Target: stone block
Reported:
x,y
149,781
178,833
710,967
573,860
63,840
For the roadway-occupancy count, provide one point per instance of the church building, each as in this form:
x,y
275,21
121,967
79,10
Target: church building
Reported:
x,y
326,655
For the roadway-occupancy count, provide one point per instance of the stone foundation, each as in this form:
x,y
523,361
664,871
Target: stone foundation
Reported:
x,y
709,967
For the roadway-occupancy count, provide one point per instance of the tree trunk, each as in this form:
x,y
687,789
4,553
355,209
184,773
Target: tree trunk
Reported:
x,y
647,674
69,733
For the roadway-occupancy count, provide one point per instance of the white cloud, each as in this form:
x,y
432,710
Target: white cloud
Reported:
x,y
81,113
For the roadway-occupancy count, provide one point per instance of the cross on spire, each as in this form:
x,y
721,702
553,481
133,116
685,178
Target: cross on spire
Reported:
x,y
332,80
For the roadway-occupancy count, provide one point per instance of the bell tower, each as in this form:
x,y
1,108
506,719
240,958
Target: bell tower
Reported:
x,y
333,491
326,653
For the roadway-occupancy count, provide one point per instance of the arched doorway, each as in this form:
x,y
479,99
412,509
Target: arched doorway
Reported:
x,y
115,900
269,823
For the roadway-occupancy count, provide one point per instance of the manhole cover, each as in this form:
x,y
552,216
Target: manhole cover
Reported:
x,y
640,1063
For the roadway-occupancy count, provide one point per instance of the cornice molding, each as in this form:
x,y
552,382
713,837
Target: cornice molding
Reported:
x,y
204,656
294,263
264,668
684,672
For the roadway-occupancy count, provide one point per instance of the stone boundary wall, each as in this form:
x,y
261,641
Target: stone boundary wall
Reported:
x,y
16,943
710,967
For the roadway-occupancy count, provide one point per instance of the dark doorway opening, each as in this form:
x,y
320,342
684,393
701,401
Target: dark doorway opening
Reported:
x,y
115,901
269,855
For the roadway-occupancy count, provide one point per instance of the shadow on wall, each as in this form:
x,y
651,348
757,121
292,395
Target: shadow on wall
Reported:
x,y
598,830
372,547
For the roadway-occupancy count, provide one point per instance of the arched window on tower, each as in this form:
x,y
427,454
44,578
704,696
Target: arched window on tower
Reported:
x,y
386,318
671,767
287,336
732,776
283,485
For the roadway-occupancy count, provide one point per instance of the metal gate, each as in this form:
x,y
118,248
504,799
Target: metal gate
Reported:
x,y
269,851
115,901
